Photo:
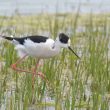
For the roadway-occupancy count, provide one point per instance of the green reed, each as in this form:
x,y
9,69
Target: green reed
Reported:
x,y
68,77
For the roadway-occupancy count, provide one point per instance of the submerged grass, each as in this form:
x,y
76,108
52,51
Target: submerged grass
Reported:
x,y
73,83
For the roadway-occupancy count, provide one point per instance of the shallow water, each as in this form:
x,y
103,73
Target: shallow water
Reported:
x,y
87,87
9,7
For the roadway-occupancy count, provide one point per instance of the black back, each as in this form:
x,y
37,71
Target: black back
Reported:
x,y
63,38
36,39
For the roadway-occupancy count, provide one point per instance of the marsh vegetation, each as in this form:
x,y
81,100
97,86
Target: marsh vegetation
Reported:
x,y
80,84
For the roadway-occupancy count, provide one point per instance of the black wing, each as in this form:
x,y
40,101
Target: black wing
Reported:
x,y
36,39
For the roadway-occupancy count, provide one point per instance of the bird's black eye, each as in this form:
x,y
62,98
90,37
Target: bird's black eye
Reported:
x,y
63,38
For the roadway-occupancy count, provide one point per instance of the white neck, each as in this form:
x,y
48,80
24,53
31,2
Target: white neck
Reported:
x,y
56,45
56,48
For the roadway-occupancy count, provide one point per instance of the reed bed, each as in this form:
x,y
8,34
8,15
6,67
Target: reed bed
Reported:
x,y
73,84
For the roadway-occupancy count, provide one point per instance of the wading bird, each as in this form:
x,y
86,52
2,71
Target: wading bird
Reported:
x,y
39,47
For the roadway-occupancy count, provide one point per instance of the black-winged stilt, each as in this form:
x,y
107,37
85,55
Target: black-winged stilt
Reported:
x,y
40,47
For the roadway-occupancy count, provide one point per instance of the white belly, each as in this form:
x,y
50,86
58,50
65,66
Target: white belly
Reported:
x,y
40,50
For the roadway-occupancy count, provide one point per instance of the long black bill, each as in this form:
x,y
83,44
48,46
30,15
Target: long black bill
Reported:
x,y
73,51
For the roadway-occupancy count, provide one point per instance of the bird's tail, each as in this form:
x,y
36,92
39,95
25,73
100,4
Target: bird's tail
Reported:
x,y
8,38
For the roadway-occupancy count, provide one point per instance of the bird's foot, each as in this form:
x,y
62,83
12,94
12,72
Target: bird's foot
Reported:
x,y
13,66
40,74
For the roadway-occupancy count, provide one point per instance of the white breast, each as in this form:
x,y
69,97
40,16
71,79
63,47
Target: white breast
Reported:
x,y
42,50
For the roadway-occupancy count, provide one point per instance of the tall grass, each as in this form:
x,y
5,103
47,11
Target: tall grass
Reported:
x,y
72,83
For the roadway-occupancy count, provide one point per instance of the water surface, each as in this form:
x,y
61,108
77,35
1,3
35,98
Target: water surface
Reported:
x,y
8,7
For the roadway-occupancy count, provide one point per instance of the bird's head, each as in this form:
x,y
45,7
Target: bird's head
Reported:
x,y
64,41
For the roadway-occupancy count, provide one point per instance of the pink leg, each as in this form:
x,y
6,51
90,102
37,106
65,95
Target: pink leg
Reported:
x,y
14,66
38,73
